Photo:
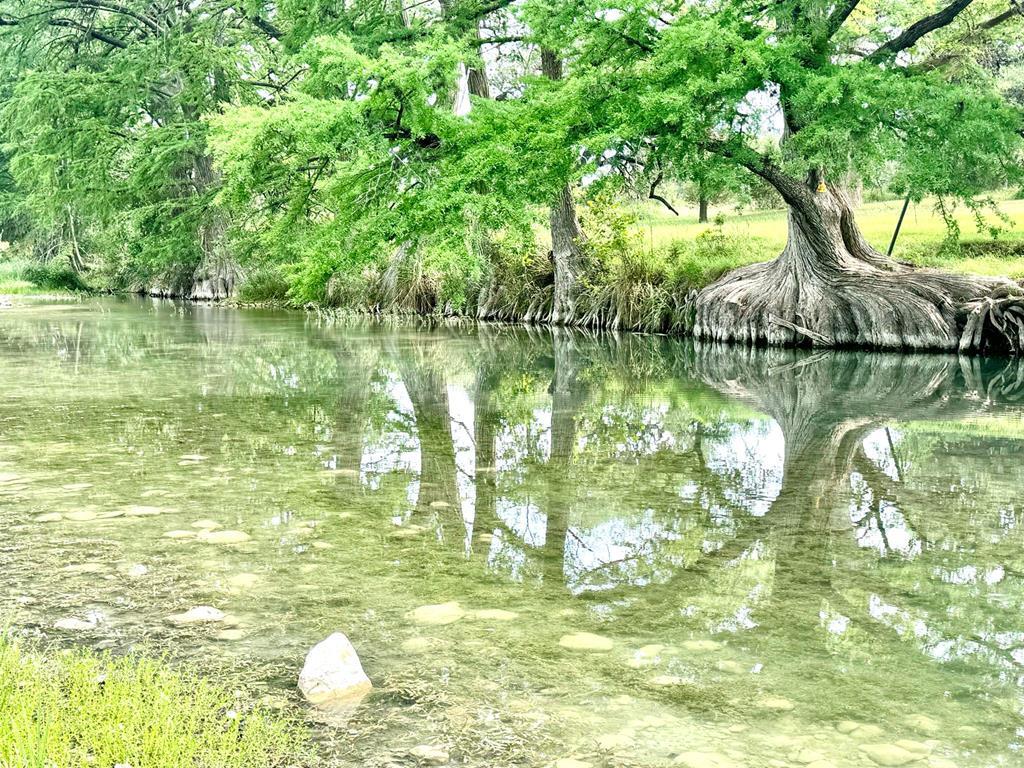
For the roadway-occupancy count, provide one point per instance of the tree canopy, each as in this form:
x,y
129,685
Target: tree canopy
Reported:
x,y
412,150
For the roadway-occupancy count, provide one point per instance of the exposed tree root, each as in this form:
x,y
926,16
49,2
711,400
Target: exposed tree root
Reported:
x,y
829,288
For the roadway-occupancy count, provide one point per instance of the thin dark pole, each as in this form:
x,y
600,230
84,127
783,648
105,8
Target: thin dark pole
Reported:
x,y
892,244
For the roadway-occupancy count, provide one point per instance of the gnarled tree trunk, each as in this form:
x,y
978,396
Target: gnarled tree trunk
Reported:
x,y
566,236
830,288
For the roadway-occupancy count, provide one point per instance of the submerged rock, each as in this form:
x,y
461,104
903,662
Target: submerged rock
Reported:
x,y
244,580
136,571
48,517
180,534
922,723
495,614
440,614
701,646
230,634
224,537
586,641
610,742
705,760
890,755
141,510
776,703
199,615
431,754
206,524
75,625
418,644
332,672
81,515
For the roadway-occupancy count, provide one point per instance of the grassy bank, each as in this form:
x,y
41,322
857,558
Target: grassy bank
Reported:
x,y
642,263
20,275
920,241
78,709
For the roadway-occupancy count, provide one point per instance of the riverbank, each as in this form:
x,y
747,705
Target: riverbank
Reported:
x,y
75,707
640,271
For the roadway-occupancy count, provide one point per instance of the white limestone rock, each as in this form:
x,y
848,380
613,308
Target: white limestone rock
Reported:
x,y
332,672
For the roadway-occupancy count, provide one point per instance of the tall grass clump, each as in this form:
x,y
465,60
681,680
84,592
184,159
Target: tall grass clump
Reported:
x,y
24,275
77,708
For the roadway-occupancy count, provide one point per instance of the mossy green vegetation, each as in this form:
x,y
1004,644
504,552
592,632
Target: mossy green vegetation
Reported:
x,y
77,708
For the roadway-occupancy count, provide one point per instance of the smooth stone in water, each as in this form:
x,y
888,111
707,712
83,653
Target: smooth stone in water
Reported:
x,y
701,646
74,625
665,680
137,571
418,644
730,666
180,535
224,537
332,672
198,615
847,726
776,703
440,614
808,756
230,634
613,741
431,754
922,723
915,746
705,760
586,641
496,614
889,755
85,568
206,524
48,517
141,510
244,580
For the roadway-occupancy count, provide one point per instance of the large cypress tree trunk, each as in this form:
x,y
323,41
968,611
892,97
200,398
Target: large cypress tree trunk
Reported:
x,y
566,236
829,287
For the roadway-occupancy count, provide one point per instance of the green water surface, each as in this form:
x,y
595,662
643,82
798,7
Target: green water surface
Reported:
x,y
784,558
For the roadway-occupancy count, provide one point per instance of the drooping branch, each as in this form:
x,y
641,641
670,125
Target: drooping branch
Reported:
x,y
919,29
101,5
1015,12
89,32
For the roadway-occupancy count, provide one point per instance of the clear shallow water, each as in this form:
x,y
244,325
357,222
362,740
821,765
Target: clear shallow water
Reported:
x,y
796,559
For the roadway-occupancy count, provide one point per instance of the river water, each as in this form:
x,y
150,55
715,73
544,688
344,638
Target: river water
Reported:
x,y
645,553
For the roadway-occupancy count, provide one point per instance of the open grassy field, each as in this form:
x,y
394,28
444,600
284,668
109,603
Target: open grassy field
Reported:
x,y
922,233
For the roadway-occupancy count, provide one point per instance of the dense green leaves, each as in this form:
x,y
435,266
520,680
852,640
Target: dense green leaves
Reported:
x,y
332,144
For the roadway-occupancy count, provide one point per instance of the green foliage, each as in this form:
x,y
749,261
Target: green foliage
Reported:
x,y
79,709
318,146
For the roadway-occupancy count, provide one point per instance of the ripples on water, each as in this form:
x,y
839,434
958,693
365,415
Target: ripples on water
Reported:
x,y
786,558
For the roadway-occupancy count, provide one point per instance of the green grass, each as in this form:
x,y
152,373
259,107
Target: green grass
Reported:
x,y
76,708
920,238
19,275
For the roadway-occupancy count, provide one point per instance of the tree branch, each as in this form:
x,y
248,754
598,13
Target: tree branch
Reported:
x,y
919,29
653,195
1016,11
839,16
